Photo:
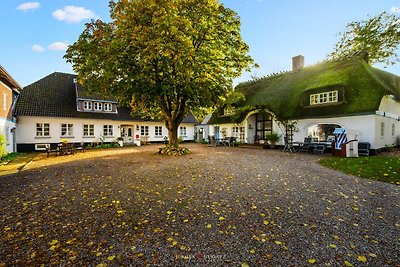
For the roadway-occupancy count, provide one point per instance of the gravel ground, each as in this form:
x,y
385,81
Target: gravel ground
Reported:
x,y
215,207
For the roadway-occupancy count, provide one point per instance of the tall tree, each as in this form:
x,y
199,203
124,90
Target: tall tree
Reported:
x,y
378,38
166,57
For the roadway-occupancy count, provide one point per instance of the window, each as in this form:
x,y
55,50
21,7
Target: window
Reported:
x,y
182,131
235,131
97,106
144,130
66,129
263,125
88,130
5,102
107,107
42,129
322,98
393,130
107,130
87,105
158,131
382,129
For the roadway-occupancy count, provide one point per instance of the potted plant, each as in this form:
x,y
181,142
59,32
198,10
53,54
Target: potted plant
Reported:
x,y
272,138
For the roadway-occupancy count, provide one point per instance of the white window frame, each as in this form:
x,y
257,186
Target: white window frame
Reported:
x,y
41,130
97,106
87,105
108,130
67,129
324,98
182,131
88,130
107,107
158,131
144,130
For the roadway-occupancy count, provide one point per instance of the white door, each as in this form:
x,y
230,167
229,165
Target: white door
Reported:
x,y
127,134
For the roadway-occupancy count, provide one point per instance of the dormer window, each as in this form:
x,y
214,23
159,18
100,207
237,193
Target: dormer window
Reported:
x,y
107,107
323,98
87,105
228,111
97,106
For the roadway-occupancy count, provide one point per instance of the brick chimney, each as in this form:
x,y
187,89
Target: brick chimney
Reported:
x,y
297,62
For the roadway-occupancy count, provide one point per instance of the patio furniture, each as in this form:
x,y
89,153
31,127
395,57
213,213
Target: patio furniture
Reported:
x,y
363,148
80,147
305,146
288,145
319,148
66,148
50,149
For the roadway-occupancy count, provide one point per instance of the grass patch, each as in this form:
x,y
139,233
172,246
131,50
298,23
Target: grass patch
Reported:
x,y
385,169
9,157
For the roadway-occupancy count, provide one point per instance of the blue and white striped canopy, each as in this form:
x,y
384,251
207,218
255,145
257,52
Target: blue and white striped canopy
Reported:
x,y
340,137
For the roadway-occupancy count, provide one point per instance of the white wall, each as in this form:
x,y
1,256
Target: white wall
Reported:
x,y
26,130
365,128
6,128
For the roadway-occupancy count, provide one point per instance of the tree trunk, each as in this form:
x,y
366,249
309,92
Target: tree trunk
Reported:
x,y
172,134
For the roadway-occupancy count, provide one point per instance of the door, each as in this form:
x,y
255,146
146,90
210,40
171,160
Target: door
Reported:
x,y
127,133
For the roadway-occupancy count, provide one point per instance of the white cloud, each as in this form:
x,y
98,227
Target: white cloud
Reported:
x,y
73,14
395,9
58,46
28,6
37,48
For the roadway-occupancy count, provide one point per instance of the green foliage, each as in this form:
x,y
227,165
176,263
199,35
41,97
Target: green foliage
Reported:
x,y
377,39
173,151
3,143
180,140
109,145
163,57
204,142
273,137
9,157
385,169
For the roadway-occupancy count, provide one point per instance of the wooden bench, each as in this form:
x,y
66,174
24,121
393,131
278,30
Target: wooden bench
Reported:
x,y
50,150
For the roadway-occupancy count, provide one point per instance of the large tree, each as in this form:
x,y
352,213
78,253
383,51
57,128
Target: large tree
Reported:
x,y
377,38
164,57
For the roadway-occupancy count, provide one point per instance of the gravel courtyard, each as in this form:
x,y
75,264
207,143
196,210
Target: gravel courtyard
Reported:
x,y
219,206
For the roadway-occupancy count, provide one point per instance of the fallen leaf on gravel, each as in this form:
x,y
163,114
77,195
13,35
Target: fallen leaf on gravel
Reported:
x,y
221,218
348,264
362,258
252,251
54,241
332,246
278,242
266,222
101,265
244,265
312,261
110,258
209,226
372,255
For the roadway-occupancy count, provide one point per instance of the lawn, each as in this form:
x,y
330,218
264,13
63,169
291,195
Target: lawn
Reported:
x,y
381,168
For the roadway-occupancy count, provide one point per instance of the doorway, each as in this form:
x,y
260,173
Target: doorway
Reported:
x,y
127,133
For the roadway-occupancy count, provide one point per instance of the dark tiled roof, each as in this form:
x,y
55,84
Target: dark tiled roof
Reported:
x,y
83,93
55,96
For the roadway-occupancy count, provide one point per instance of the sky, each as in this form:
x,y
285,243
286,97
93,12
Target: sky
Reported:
x,y
35,35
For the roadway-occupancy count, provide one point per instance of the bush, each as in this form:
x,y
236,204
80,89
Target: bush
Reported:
x,y
204,142
180,140
3,143
173,151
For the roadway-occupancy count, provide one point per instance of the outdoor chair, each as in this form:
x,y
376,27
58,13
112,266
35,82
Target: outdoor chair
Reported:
x,y
288,145
305,147
319,148
363,148
80,147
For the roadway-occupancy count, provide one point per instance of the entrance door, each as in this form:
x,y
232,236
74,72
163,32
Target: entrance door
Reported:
x,y
127,133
